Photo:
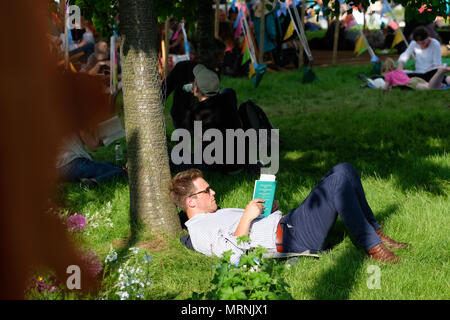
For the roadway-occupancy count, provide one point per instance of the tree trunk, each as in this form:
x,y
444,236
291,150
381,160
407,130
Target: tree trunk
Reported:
x,y
148,163
336,41
205,32
216,20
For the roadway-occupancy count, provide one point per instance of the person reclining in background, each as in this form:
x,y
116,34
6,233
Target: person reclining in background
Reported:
x,y
427,53
75,164
394,76
213,231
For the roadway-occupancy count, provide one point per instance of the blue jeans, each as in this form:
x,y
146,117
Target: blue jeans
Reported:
x,y
85,168
340,192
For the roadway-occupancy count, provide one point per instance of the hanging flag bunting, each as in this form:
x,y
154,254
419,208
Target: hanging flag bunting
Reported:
x,y
238,31
398,38
308,75
349,21
289,31
389,9
360,46
282,10
238,19
301,32
251,71
256,70
245,54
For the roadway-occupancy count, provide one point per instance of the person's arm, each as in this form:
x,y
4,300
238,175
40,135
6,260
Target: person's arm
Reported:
x,y
87,38
252,211
91,139
94,71
178,41
404,57
436,60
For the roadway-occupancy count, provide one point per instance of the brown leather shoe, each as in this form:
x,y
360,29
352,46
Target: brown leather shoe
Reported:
x,y
382,254
390,242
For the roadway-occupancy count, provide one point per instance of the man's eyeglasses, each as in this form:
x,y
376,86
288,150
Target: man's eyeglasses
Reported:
x,y
207,191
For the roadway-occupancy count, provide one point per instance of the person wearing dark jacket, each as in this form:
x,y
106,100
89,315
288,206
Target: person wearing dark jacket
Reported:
x,y
202,100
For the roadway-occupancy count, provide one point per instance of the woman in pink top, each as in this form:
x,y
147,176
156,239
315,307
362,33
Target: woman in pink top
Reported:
x,y
393,76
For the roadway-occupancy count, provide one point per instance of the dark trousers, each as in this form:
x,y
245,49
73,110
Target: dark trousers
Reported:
x,y
85,168
340,192
425,76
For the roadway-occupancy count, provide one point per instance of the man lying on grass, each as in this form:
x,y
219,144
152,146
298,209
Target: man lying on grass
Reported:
x,y
340,192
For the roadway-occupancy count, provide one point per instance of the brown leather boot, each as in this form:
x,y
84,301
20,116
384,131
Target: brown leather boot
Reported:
x,y
390,242
382,254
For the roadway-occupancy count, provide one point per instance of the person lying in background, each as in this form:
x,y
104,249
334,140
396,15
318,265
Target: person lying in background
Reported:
x,y
75,164
394,76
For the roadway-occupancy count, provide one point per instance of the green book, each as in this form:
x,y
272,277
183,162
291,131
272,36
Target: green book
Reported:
x,y
265,189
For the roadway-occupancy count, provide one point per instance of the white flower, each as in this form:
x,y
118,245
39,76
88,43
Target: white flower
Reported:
x,y
123,295
112,255
134,250
254,269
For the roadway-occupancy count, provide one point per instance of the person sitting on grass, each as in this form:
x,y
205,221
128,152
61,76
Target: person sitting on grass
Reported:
x,y
75,164
213,231
204,101
427,52
394,76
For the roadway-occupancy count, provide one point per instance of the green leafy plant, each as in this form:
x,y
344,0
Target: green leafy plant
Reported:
x,y
253,278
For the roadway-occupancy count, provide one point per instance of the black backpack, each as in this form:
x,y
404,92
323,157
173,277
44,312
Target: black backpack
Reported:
x,y
252,116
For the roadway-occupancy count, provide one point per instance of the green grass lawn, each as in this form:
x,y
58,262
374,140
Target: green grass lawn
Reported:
x,y
399,142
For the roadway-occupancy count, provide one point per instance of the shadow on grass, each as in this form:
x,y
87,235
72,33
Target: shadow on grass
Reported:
x,y
338,281
340,231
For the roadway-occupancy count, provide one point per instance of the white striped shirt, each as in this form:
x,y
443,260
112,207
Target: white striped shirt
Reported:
x,y
213,233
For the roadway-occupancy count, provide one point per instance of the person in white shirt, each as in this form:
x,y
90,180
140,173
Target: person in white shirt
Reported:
x,y
75,164
213,231
427,52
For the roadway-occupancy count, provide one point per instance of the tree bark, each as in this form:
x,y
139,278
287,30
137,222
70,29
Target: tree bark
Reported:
x,y
216,20
148,163
335,41
206,53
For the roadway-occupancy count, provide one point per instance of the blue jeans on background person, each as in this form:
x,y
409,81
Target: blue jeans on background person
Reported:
x,y
85,168
340,192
